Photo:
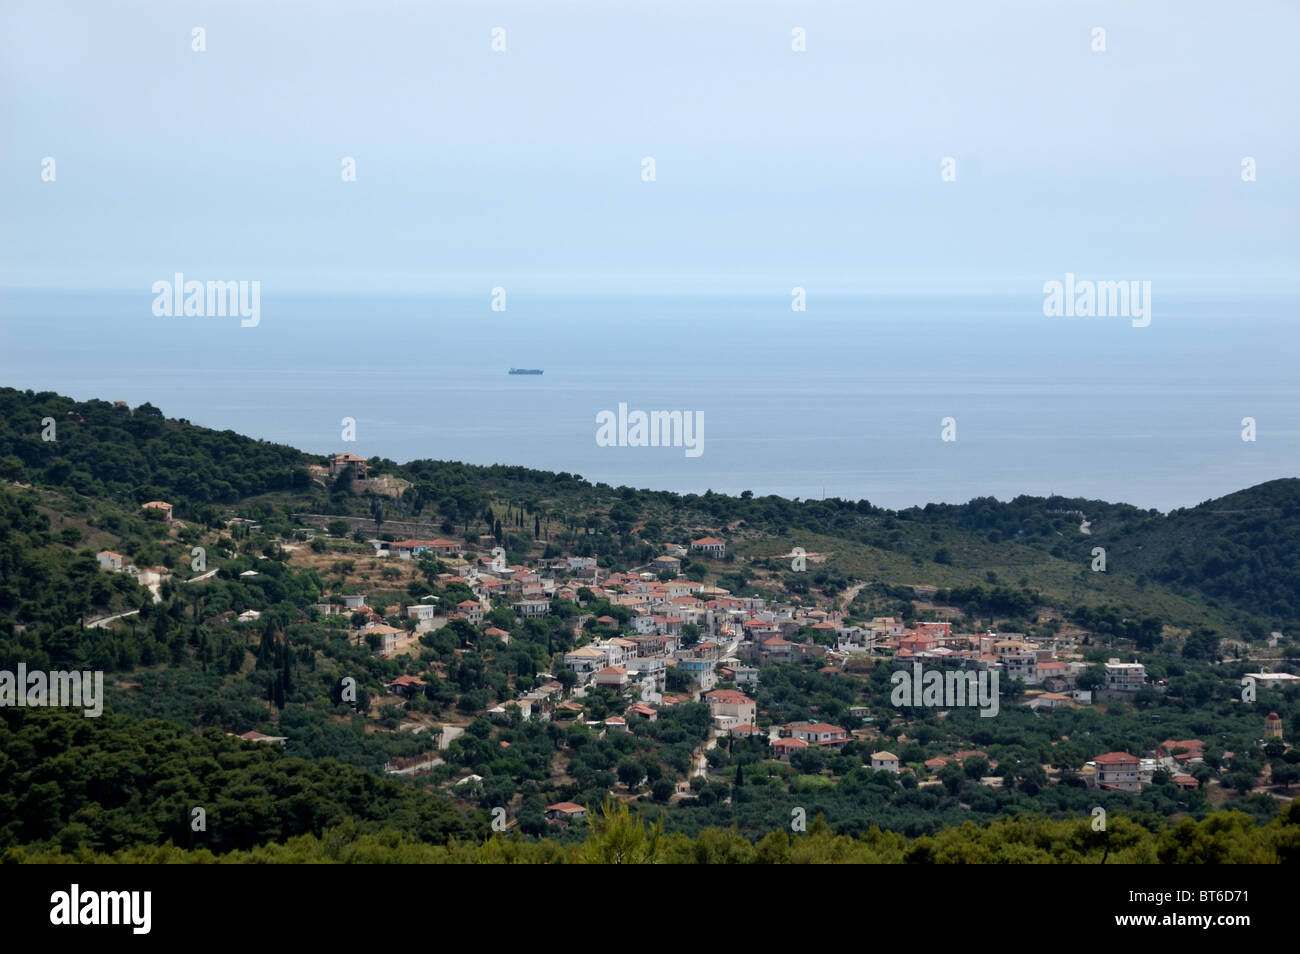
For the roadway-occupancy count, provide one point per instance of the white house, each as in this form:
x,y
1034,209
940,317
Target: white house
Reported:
x,y
1125,677
820,734
884,762
586,659
1118,770
710,546
648,667
731,707
530,607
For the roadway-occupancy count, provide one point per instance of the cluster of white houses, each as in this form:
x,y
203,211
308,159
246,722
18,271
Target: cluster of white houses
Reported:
x,y
757,637
150,577
738,634
1039,666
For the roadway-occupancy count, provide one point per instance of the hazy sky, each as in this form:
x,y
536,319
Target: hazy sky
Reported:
x,y
523,167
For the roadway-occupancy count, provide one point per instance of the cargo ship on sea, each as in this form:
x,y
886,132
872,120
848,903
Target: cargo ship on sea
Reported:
x,y
524,371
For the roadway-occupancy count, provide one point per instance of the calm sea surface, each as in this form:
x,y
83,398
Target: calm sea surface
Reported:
x,y
844,400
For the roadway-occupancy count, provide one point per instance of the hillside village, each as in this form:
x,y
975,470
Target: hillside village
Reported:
x,y
649,640
498,648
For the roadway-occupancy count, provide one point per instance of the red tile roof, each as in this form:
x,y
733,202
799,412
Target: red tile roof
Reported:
x,y
729,697
1115,758
407,681
818,727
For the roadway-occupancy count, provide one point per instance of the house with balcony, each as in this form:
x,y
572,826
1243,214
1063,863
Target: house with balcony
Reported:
x,y
620,650
1053,674
700,669
710,546
668,625
731,707
821,734
666,564
341,462
743,676
1117,771
615,678
1021,665
1125,677
774,649
531,607
854,639
648,668
472,610
586,659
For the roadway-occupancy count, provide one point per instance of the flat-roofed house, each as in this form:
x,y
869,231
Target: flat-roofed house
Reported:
x,y
1125,677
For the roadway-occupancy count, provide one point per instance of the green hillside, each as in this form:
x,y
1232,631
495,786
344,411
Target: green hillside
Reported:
x,y
234,639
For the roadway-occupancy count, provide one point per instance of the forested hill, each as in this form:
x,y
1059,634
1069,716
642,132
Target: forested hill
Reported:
x,y
1241,552
133,455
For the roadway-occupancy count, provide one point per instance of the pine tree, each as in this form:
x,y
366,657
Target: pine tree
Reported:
x,y
266,654
286,668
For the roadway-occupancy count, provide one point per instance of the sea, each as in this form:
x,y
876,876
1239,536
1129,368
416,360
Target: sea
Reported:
x,y
852,398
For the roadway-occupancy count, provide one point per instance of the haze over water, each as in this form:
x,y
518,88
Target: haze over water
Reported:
x,y
845,399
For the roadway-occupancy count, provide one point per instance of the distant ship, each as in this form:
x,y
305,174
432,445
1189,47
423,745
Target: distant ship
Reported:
x,y
524,371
